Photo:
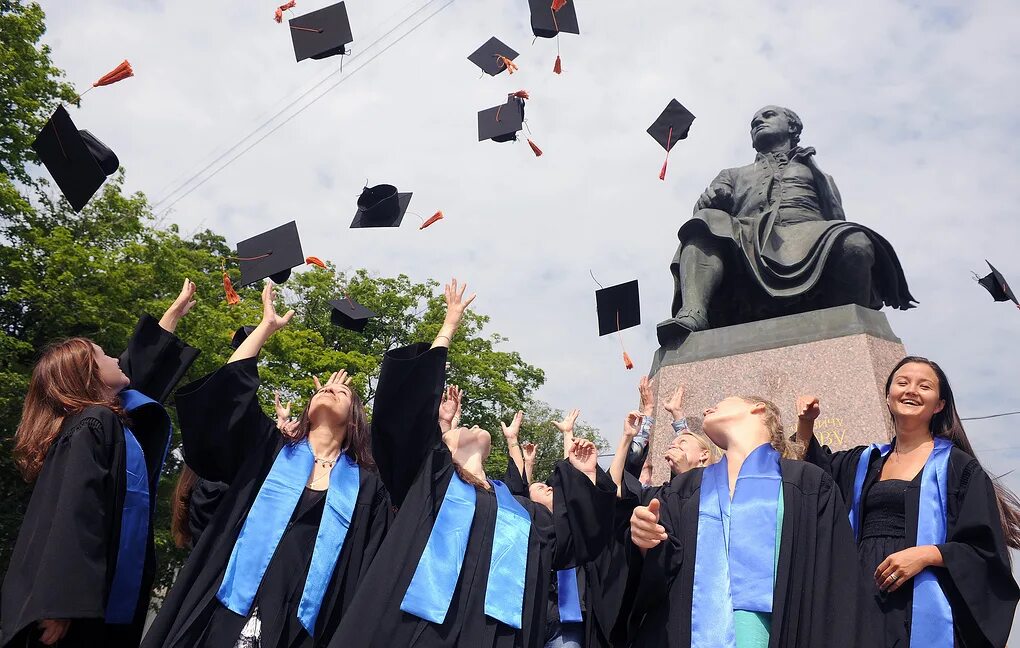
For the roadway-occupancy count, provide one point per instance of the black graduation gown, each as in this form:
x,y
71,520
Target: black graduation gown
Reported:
x,y
202,504
227,437
417,467
814,601
976,579
66,552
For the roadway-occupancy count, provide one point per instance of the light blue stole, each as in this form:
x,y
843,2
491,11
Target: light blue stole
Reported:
x,y
735,558
568,596
136,514
268,519
435,578
931,618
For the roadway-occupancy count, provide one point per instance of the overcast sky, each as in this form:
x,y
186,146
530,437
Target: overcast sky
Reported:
x,y
912,106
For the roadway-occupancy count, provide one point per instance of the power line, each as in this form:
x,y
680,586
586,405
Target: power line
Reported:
x,y
989,416
292,103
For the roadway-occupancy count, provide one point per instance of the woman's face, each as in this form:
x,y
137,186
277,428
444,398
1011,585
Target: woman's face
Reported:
x,y
914,393
109,370
468,440
685,452
331,405
541,494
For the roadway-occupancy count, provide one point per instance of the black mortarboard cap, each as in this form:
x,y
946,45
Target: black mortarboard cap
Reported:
x,y
996,284
381,206
272,255
546,23
672,125
240,335
501,123
77,160
487,57
321,34
619,307
350,314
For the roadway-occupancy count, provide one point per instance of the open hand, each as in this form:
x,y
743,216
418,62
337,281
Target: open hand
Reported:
x,y
645,530
808,408
632,424
511,431
456,304
53,630
270,319
566,426
282,412
449,407
336,379
185,302
675,404
584,456
530,451
647,404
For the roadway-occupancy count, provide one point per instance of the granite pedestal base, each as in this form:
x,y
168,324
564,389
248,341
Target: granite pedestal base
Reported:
x,y
843,355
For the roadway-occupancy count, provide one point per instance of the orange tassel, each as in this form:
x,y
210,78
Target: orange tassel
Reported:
x,y
316,261
510,66
558,4
669,145
558,67
521,94
534,147
662,174
627,362
432,219
232,297
118,73
284,7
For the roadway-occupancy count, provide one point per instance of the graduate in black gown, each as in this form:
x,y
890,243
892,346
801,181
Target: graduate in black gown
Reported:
x,y
465,564
933,530
195,501
93,436
294,534
753,551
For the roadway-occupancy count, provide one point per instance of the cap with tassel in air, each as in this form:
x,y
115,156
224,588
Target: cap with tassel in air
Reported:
x,y
619,308
670,127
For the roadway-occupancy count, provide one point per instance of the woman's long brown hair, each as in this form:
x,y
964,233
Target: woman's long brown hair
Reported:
x,y
946,424
64,381
179,507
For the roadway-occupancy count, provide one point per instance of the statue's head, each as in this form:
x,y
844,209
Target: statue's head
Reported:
x,y
773,125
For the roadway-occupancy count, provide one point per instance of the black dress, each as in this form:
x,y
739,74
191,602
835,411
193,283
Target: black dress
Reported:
x,y
417,468
227,437
66,552
883,533
976,577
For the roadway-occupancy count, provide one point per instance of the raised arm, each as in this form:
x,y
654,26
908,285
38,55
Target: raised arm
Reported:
x,y
405,413
630,430
220,416
566,427
156,359
511,433
583,506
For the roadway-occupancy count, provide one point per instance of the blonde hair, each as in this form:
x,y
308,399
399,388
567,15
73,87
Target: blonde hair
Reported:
x,y
714,452
773,421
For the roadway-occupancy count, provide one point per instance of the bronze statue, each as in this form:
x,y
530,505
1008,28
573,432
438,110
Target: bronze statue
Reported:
x,y
771,239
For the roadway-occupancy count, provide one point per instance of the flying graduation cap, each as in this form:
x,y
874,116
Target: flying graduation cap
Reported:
x,y
269,255
381,206
349,314
996,284
76,159
318,34
494,56
619,308
670,127
549,18
502,123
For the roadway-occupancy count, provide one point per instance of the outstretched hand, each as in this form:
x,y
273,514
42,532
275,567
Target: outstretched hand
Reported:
x,y
808,408
632,425
270,319
647,405
584,456
645,530
511,431
449,408
675,404
182,305
336,379
566,426
282,411
530,451
456,304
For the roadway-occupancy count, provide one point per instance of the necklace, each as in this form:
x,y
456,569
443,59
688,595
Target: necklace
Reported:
x,y
325,463
318,479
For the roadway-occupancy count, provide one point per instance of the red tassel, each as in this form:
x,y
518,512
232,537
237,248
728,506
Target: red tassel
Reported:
x,y
432,219
558,4
284,7
232,297
534,147
662,174
316,261
558,67
118,73
627,362
669,145
521,94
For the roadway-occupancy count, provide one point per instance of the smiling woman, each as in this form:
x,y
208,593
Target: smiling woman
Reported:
x,y
926,515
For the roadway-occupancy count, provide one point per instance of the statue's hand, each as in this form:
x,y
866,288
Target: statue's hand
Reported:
x,y
717,197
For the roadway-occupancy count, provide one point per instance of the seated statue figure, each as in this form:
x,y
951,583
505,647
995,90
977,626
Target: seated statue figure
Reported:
x,y
771,239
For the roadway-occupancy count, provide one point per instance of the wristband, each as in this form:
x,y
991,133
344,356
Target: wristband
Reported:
x,y
447,337
680,425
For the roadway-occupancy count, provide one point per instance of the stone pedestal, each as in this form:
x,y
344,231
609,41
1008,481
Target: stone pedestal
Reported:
x,y
843,355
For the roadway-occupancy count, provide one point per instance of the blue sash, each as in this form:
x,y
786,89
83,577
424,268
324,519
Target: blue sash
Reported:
x,y
734,563
568,596
931,620
135,516
435,578
267,521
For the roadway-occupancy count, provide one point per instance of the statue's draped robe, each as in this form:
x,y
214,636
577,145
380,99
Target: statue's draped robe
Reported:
x,y
787,218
